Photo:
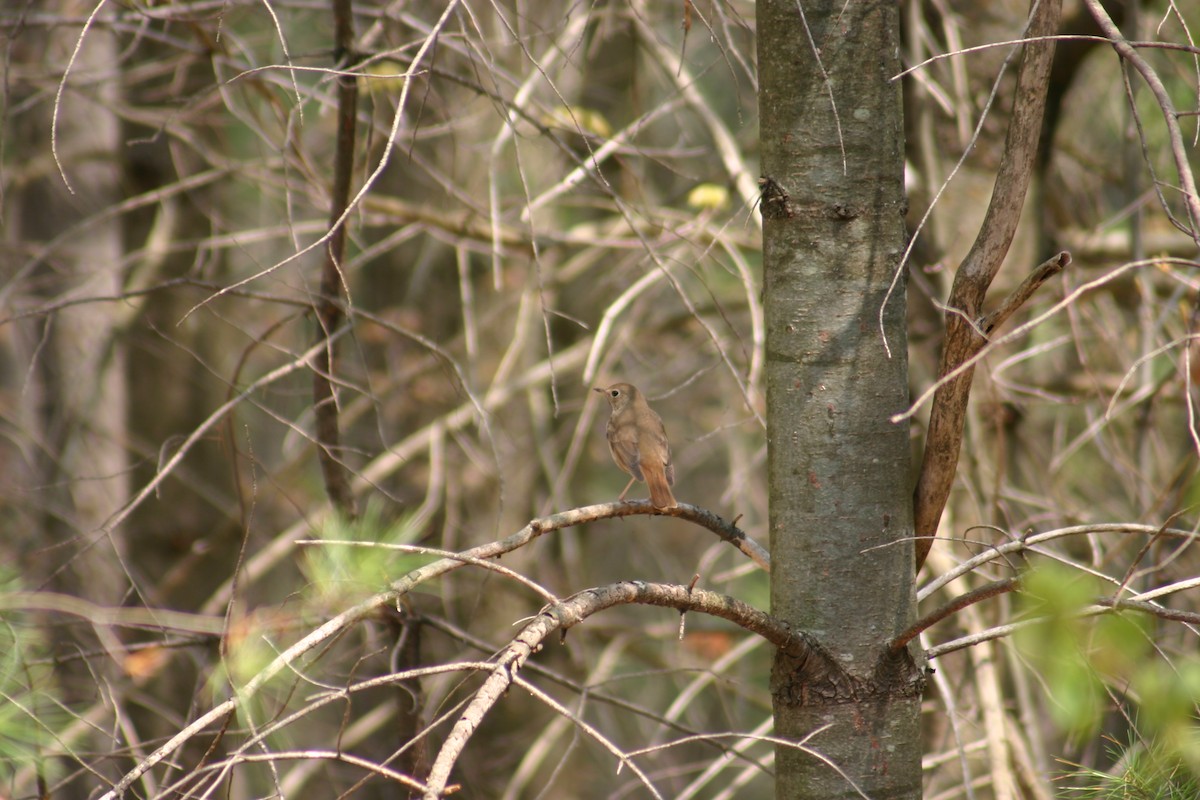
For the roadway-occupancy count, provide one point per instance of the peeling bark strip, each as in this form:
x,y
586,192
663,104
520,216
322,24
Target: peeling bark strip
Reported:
x,y
976,273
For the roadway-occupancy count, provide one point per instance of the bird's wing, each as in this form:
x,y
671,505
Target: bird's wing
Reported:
x,y
624,443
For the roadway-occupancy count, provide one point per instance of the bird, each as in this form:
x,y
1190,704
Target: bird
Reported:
x,y
638,442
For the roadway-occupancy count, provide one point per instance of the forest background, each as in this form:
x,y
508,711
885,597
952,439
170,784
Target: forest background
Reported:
x,y
296,298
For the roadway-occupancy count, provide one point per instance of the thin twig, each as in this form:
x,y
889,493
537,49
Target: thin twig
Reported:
x,y
1179,151
957,604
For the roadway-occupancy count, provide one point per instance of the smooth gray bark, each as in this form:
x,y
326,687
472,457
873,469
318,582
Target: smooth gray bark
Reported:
x,y
839,470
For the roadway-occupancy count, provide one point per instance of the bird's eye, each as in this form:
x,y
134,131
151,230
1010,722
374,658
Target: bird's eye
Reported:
x,y
615,392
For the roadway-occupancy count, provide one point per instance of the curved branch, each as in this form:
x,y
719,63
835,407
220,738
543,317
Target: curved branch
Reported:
x,y
574,610
957,604
725,531
1030,543
976,273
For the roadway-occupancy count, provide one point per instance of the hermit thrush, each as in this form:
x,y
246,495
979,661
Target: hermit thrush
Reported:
x,y
638,443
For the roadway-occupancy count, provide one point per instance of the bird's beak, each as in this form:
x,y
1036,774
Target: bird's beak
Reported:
x,y
599,389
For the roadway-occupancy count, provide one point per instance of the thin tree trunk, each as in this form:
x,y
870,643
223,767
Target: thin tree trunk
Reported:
x,y
839,471
87,389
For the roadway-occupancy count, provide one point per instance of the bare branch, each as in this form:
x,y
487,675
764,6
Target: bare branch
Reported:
x,y
1032,541
1018,297
576,609
957,604
943,441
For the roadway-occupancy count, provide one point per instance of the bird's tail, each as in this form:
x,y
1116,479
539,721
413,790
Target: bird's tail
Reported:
x,y
660,489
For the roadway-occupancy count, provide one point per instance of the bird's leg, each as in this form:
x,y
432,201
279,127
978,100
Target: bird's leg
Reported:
x,y
621,499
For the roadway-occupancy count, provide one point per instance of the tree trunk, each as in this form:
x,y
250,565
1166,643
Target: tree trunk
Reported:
x,y
839,470
86,392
